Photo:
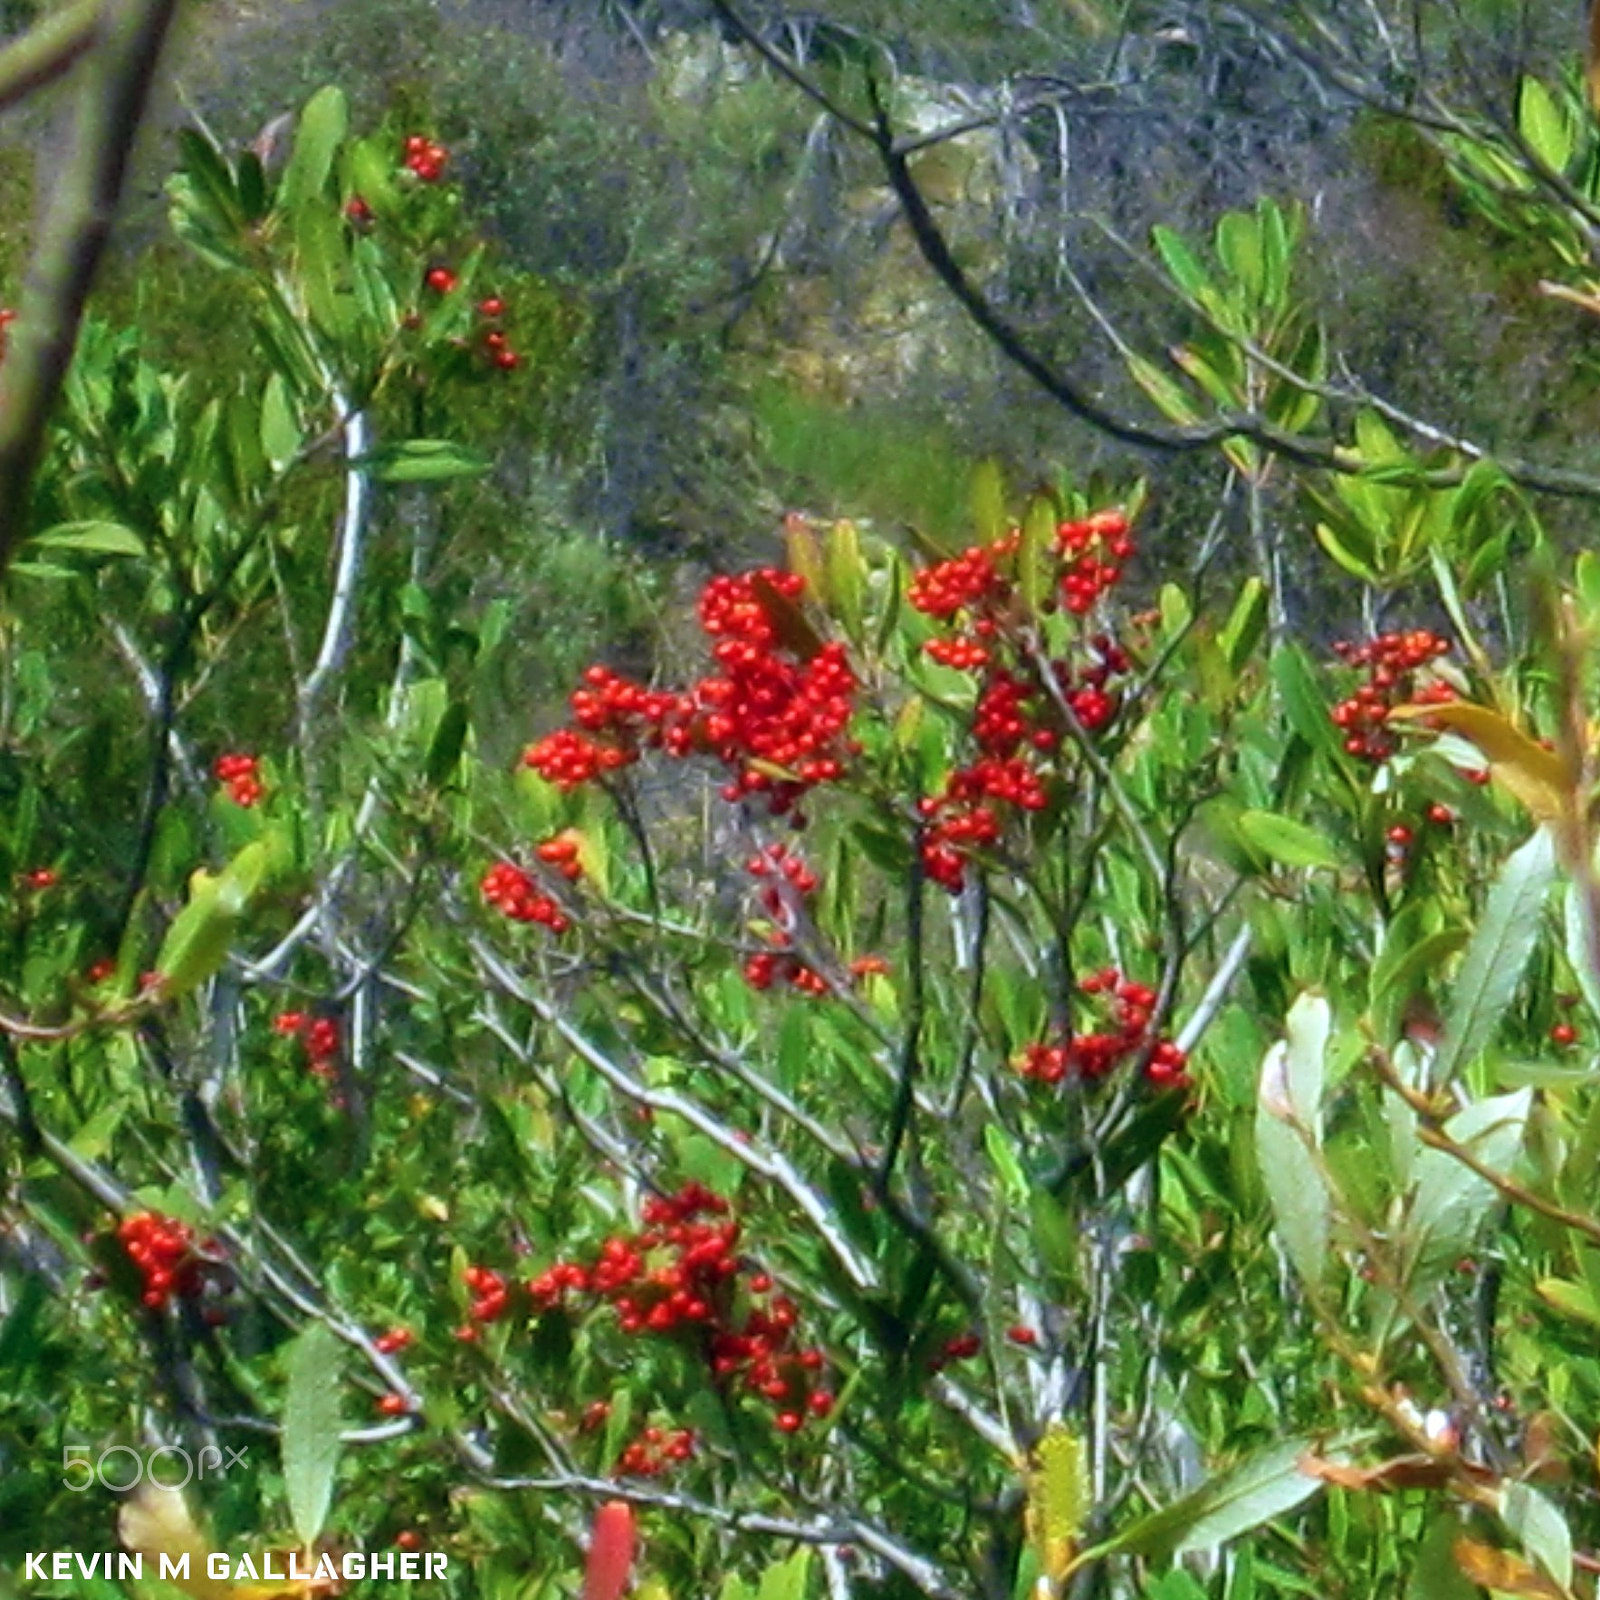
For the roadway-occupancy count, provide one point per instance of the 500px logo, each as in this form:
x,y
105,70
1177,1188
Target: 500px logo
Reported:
x,y
142,1464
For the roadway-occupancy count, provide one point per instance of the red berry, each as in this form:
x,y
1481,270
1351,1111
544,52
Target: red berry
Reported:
x,y
1563,1033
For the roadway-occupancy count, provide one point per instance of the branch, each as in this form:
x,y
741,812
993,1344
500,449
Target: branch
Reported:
x,y
1323,453
47,51
75,234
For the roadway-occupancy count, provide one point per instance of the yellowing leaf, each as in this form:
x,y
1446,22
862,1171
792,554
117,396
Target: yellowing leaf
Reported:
x,y
155,1522
1537,777
1503,1572
804,550
1058,1499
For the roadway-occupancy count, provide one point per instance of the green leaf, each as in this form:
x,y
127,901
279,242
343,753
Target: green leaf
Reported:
x,y
1305,704
96,538
1499,952
1182,263
1452,1202
1543,125
1238,240
1437,1575
423,461
1570,1298
444,749
845,569
1577,950
1006,1165
1345,556
787,1579
1245,625
1285,840
211,186
317,138
1251,1494
1036,554
197,943
1289,1131
988,495
281,435
1166,391
1542,1529
311,1425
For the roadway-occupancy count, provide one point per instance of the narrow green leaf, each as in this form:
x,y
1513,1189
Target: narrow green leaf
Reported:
x,y
988,495
1285,840
1182,263
281,435
1263,1487
1245,625
1570,1298
1306,704
1497,956
1035,555
1577,948
1170,395
1289,1131
95,538
317,138
311,1425
423,461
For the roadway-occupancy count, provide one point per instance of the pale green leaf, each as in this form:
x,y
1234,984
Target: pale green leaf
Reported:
x,y
311,1426
1497,956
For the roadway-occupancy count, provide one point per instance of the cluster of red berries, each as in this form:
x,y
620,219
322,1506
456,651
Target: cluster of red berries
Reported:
x,y
561,855
773,704
241,774
785,881
393,1342
40,878
971,581
321,1036
1014,722
1093,550
514,894
492,339
1392,662
492,309
655,1451
1089,1057
425,158
162,1248
767,968
491,1296
680,1273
